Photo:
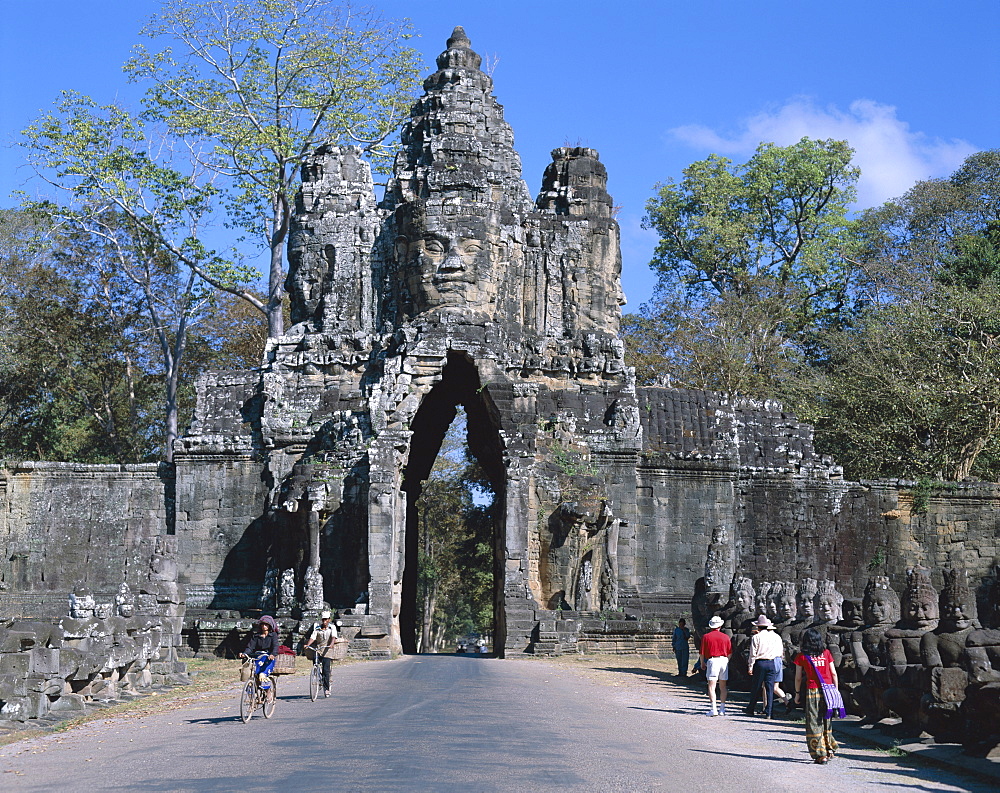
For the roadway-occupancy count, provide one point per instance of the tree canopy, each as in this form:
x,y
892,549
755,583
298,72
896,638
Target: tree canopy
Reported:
x,y
256,86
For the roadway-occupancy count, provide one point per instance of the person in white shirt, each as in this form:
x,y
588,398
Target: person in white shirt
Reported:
x,y
766,654
321,640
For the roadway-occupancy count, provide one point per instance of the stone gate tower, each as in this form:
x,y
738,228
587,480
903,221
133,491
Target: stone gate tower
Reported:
x,y
298,483
456,289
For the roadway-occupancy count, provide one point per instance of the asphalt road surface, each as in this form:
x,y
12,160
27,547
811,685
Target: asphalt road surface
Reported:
x,y
454,723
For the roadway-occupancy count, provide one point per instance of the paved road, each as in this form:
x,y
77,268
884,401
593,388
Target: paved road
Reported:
x,y
454,723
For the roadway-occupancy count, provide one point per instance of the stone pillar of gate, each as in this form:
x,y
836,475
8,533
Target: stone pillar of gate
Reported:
x,y
386,538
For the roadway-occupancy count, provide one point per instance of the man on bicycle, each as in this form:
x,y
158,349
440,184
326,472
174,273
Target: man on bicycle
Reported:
x,y
321,640
264,641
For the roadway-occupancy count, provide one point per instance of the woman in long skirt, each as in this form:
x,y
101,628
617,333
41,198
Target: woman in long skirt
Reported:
x,y
816,658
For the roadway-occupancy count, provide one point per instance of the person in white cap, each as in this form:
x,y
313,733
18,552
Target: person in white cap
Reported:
x,y
716,648
321,640
766,653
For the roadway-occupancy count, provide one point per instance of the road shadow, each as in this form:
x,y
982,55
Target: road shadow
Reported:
x,y
215,720
754,757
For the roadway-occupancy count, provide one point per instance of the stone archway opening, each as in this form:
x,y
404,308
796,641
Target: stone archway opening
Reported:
x,y
454,542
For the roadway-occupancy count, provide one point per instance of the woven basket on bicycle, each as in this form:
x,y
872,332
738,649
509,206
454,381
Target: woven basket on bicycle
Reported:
x,y
284,664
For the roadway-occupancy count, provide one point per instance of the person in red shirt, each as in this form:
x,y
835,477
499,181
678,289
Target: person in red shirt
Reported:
x,y
816,658
716,648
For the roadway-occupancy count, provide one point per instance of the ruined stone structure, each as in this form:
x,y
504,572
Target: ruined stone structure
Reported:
x,y
297,484
457,289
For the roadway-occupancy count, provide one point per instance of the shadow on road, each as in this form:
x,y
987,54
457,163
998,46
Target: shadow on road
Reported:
x,y
755,757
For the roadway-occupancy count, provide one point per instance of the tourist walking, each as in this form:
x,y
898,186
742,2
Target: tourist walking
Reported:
x,y
815,666
766,651
715,650
682,646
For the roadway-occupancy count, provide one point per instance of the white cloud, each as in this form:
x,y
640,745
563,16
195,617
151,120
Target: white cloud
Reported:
x,y
890,155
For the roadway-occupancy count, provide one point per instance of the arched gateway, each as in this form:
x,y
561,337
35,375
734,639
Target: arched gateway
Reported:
x,y
297,483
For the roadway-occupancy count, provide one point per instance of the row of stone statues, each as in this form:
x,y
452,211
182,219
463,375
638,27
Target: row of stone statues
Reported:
x,y
925,657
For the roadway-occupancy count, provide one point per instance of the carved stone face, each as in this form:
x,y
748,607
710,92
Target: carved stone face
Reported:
x,y
879,610
448,264
921,612
744,599
784,606
852,613
956,615
826,608
806,608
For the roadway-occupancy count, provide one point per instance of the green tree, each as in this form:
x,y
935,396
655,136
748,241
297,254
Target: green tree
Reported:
x,y
455,581
780,219
258,85
73,382
914,388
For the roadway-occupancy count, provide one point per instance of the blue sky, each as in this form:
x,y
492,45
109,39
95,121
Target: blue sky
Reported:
x,y
914,85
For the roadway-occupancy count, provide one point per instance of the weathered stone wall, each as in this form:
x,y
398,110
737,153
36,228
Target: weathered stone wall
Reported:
x,y
63,525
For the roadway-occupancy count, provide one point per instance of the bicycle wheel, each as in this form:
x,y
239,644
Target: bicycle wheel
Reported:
x,y
314,682
248,701
270,698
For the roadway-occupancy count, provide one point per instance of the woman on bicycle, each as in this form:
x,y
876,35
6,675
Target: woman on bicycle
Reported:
x,y
264,641
322,639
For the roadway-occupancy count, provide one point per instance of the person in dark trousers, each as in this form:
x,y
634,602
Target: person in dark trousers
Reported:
x,y
322,639
766,651
264,641
681,642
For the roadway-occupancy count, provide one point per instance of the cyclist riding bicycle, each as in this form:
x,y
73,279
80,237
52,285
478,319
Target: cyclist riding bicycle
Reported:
x,y
321,640
263,648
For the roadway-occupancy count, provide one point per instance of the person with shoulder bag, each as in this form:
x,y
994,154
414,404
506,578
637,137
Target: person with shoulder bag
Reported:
x,y
823,700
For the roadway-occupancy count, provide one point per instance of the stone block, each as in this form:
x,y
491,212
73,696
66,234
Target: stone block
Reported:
x,y
13,686
14,664
948,684
44,661
15,708
15,641
69,703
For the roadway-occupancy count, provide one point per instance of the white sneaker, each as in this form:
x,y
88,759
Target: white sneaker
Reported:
x,y
326,693
712,713
722,710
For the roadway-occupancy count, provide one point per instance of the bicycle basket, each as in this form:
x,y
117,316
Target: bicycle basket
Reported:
x,y
284,664
245,670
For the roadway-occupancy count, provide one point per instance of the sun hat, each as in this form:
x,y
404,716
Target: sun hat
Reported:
x,y
325,615
715,622
763,622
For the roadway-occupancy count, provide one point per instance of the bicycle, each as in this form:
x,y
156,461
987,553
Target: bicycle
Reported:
x,y
252,696
315,676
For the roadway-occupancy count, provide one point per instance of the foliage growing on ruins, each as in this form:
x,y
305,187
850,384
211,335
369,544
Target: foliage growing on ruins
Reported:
x,y
255,87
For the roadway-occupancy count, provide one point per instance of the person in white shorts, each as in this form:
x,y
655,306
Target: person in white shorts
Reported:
x,y
716,647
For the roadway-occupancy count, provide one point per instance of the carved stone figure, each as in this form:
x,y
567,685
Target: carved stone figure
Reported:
x,y
920,615
313,590
287,601
881,611
828,607
269,590
805,611
942,651
124,601
81,603
712,591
